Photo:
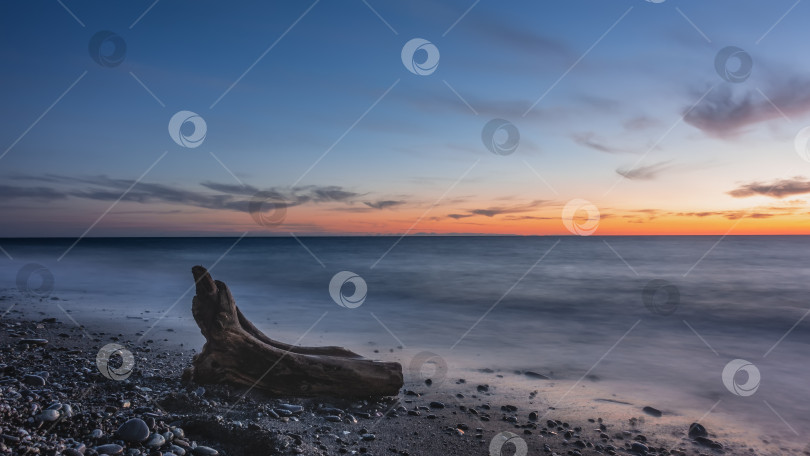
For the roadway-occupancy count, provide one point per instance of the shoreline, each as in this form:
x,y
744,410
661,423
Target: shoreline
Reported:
x,y
460,416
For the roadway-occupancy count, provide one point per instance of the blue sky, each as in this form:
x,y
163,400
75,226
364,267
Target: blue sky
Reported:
x,y
618,77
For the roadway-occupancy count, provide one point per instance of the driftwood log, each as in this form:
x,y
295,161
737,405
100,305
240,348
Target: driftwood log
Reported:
x,y
236,352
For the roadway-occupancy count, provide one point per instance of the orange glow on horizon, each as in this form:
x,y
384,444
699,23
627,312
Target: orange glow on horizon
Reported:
x,y
381,222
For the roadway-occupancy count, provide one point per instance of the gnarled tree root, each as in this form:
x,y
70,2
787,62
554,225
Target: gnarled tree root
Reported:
x,y
236,352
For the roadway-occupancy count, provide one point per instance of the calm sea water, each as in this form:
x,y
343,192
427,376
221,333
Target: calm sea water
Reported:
x,y
561,306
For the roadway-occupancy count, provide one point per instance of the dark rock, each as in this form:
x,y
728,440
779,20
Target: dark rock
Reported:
x,y
34,341
697,430
652,411
709,443
292,408
437,404
49,415
178,433
110,449
204,451
639,448
155,441
134,430
33,380
536,375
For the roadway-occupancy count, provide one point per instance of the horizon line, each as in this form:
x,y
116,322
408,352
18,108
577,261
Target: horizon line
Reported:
x,y
290,236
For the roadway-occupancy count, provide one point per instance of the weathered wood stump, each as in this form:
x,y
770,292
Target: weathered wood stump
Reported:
x,y
236,352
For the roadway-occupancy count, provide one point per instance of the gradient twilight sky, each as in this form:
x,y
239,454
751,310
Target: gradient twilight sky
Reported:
x,y
310,102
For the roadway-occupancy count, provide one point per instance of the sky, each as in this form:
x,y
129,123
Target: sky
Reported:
x,y
584,117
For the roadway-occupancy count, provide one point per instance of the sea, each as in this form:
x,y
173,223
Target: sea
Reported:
x,y
699,326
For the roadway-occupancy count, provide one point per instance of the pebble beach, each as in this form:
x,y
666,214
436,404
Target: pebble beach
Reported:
x,y
54,400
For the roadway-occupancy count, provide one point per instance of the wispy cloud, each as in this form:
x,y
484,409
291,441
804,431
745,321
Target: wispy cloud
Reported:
x,y
731,215
40,193
592,141
384,204
724,113
648,172
778,188
641,122
524,39
493,211
217,196
232,189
